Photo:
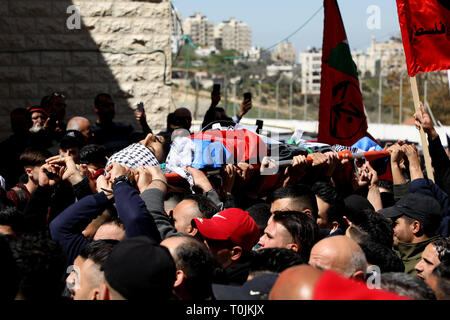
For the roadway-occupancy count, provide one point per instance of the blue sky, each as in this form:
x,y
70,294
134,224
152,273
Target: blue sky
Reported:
x,y
271,21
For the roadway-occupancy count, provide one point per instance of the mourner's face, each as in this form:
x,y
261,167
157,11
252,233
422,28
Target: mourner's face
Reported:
x,y
428,262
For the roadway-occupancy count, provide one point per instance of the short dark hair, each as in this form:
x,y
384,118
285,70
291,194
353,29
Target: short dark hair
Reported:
x,y
376,225
98,250
388,185
34,157
274,260
326,192
42,265
301,193
406,285
442,272
197,262
302,227
45,101
382,256
260,212
114,219
11,216
429,228
206,207
72,138
93,153
442,247
358,234
100,96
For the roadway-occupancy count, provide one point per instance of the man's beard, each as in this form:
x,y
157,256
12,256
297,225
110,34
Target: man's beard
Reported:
x,y
36,128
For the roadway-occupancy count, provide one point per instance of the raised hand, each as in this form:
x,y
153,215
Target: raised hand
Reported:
x,y
423,119
228,177
70,171
200,179
104,185
296,171
49,175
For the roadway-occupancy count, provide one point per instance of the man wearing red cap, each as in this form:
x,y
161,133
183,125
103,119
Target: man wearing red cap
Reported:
x,y
38,117
230,235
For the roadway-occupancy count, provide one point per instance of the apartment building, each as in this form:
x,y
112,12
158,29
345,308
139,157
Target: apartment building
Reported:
x,y
200,30
233,34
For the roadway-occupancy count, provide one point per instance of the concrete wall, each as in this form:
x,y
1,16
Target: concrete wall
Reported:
x,y
50,57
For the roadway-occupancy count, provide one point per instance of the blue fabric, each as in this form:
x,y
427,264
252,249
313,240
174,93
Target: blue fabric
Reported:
x,y
68,226
429,188
366,143
210,154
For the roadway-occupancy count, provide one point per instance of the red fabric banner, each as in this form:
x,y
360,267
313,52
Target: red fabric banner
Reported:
x,y
425,26
341,111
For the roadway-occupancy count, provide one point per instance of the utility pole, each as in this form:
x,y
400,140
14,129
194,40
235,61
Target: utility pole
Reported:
x,y
290,96
259,98
305,109
234,97
196,98
380,88
225,93
276,95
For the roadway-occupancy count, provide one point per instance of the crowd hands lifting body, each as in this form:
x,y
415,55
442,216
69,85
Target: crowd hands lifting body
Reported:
x,y
323,221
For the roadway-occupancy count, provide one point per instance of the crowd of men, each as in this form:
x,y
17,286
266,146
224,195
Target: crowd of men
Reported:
x,y
87,213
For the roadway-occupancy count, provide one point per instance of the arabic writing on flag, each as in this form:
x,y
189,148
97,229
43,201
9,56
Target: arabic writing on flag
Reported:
x,y
341,111
425,27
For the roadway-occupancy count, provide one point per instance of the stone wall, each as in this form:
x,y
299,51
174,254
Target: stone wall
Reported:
x,y
40,54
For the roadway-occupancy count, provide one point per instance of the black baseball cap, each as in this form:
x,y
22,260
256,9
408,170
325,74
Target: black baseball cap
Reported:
x,y
72,138
256,289
139,268
420,207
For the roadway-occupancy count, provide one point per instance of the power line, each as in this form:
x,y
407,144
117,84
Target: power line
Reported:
x,y
298,29
284,39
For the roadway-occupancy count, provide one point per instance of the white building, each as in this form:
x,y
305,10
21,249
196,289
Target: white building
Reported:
x,y
285,53
256,54
311,65
233,34
200,30
390,54
286,70
205,51
386,56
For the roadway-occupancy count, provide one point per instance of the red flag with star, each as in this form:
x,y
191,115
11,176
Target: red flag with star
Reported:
x,y
341,111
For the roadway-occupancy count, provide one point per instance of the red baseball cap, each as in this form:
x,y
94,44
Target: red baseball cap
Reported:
x,y
36,108
332,286
231,224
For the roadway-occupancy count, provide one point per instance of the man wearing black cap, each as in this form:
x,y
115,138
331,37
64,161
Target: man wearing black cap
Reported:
x,y
416,219
138,269
71,144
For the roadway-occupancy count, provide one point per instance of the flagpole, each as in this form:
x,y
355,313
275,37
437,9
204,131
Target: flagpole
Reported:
x,y
423,139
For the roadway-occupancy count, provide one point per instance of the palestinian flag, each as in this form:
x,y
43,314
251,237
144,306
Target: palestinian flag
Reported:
x,y
217,147
341,111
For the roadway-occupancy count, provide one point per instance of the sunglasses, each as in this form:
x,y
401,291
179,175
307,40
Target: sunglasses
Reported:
x,y
58,94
